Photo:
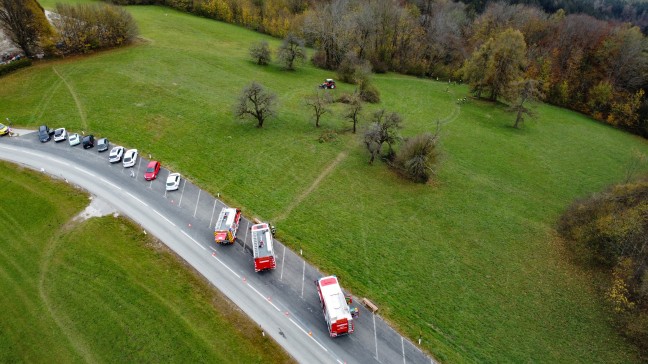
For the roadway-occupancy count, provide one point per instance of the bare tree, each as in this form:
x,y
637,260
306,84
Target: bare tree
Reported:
x,y
24,22
318,102
257,102
353,110
260,52
291,51
417,157
384,129
521,92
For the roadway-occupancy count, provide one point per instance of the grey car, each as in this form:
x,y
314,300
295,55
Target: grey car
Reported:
x,y
102,145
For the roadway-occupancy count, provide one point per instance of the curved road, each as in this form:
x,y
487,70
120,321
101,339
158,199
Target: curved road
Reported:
x,y
283,302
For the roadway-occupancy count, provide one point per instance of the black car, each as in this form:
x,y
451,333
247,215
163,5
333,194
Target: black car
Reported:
x,y
44,134
102,145
88,141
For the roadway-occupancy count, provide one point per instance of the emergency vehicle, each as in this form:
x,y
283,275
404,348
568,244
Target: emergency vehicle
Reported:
x,y
262,247
336,311
227,225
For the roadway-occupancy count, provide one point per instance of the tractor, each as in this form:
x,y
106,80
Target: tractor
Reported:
x,y
328,84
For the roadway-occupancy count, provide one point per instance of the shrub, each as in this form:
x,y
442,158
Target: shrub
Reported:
x,y
319,59
369,93
328,136
416,159
260,53
10,67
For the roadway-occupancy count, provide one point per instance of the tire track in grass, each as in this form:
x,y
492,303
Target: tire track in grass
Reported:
x,y
47,98
340,157
75,340
76,99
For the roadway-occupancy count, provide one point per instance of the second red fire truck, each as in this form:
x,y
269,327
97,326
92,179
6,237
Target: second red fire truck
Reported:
x,y
262,247
339,318
227,225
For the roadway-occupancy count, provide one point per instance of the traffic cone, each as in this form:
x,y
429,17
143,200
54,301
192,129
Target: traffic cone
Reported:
x,y
189,225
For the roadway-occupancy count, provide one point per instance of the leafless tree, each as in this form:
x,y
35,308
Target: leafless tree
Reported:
x,y
384,129
354,107
291,51
520,93
260,52
257,102
318,102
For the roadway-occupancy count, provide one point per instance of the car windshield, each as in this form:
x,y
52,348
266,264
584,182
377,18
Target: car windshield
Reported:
x,y
103,141
2,126
150,169
127,159
170,183
59,132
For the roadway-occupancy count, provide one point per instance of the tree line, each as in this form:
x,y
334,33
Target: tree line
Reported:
x,y
593,66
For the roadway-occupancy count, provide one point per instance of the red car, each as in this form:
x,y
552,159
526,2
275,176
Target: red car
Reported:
x,y
152,170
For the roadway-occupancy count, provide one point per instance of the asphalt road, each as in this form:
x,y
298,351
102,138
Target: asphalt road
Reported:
x,y
283,302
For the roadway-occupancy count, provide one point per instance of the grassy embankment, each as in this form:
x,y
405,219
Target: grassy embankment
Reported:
x,y
470,262
100,291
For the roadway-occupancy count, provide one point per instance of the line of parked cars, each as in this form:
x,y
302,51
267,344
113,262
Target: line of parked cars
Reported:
x,y
117,153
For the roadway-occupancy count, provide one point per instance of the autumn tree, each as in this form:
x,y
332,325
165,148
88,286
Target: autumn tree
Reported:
x,y
257,102
498,62
260,53
384,128
291,51
318,102
417,157
522,92
24,22
353,109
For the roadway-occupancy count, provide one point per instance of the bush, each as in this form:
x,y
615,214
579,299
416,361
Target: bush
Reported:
x,y
345,98
416,159
260,53
10,67
346,72
319,59
369,93
328,136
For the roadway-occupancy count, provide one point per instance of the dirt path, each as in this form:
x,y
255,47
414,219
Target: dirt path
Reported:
x,y
76,99
340,157
61,321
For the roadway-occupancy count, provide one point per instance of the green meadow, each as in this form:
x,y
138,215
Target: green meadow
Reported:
x,y
470,263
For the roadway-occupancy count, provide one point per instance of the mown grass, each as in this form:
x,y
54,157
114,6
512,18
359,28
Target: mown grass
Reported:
x,y
101,291
470,263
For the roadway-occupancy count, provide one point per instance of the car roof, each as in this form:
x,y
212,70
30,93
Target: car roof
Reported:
x,y
103,140
152,163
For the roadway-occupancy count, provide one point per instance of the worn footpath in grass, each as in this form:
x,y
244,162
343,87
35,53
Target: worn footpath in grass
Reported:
x,y
100,291
469,263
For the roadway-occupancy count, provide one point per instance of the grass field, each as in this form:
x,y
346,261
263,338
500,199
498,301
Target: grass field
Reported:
x,y
100,291
470,263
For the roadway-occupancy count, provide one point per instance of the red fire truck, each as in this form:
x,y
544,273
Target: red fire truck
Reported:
x,y
227,225
262,247
334,305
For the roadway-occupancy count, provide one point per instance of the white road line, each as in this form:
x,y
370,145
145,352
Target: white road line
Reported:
x,y
57,161
304,331
303,276
192,239
212,217
264,297
197,200
10,148
375,335
32,153
84,171
113,185
162,216
403,346
182,193
283,258
137,199
212,248
225,265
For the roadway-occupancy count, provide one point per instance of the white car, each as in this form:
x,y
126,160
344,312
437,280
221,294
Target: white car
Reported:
x,y
74,139
173,182
130,158
60,135
116,154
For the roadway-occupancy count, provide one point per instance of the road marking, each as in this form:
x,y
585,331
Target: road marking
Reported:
x,y
10,148
140,201
264,297
192,239
150,185
375,335
225,265
303,276
106,182
403,346
32,153
197,200
304,331
182,193
162,216
56,160
214,249
283,258
84,171
139,164
212,217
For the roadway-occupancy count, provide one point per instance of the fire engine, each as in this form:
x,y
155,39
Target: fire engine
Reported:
x,y
227,225
339,318
262,247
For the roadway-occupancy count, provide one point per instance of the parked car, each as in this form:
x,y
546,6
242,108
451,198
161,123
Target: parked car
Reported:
x,y
173,182
44,134
130,158
60,135
116,154
152,170
74,139
102,145
88,141
4,130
